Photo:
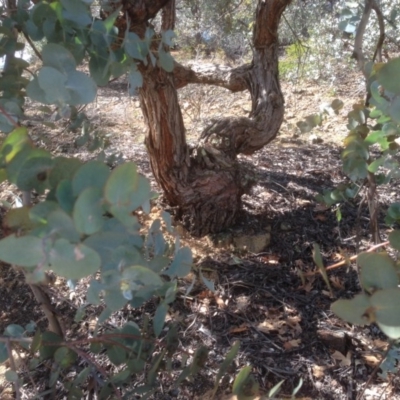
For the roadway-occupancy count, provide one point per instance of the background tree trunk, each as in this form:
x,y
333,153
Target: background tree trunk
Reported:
x,y
205,183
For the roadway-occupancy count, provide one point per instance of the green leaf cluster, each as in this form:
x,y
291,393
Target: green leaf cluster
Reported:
x,y
372,144
379,301
314,120
87,224
69,34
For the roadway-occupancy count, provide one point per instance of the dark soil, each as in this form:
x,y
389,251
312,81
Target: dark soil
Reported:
x,y
285,326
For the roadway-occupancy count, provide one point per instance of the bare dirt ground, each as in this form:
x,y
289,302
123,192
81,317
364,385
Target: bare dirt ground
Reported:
x,y
285,326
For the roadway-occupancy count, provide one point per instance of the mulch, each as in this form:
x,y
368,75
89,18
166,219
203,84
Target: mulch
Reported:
x,y
285,326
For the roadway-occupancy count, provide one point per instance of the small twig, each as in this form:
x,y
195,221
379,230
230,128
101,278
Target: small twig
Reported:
x,y
381,23
374,372
98,367
9,117
293,31
14,368
352,258
358,221
34,48
194,320
385,388
358,53
45,303
5,339
373,206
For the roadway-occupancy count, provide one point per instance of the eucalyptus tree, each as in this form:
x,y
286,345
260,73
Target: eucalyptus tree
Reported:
x,y
206,183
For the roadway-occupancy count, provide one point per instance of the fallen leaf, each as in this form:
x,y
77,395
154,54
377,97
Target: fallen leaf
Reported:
x,y
242,302
337,257
344,360
92,324
320,217
270,259
307,287
289,310
205,294
174,316
59,282
291,344
220,302
294,322
266,327
372,360
337,282
321,207
239,329
303,202
381,344
275,325
274,312
204,309
7,393
318,371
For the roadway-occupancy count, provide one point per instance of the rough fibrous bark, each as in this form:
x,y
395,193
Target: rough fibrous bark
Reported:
x,y
205,184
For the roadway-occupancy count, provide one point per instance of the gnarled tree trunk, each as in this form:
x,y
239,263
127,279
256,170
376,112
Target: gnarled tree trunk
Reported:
x,y
206,183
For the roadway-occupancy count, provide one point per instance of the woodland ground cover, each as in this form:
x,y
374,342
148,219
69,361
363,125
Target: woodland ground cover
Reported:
x,y
286,328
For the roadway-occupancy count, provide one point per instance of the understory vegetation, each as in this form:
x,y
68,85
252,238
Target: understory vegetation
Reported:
x,y
255,238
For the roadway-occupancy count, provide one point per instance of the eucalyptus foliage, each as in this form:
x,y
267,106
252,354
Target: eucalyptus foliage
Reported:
x,y
323,32
369,159
371,128
86,227
207,26
85,222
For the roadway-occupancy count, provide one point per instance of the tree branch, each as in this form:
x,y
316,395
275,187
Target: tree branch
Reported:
x,y
358,53
233,79
45,303
205,183
168,16
140,11
33,47
269,12
13,368
247,134
381,22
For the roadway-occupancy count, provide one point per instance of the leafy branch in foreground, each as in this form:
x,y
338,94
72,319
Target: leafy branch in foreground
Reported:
x,y
378,302
86,226
379,274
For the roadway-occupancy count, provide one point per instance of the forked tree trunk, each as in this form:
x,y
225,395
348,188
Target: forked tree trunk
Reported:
x,y
205,183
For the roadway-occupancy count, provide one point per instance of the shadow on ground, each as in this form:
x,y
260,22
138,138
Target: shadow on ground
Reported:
x,y
285,326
